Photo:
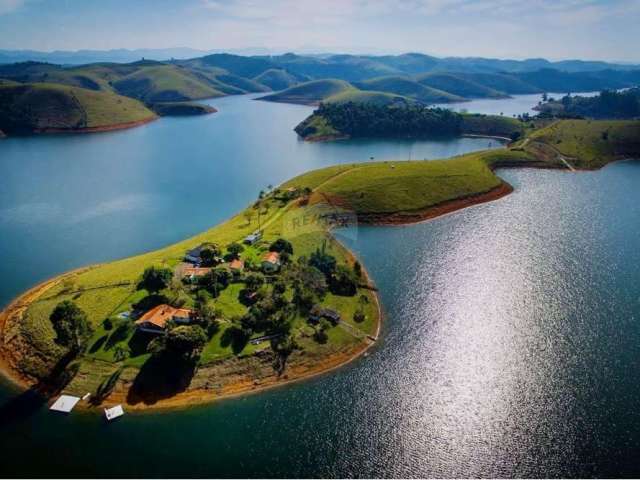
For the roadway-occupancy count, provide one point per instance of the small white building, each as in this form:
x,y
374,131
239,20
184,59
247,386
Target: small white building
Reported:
x,y
253,238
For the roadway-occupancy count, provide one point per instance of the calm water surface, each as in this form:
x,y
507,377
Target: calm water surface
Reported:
x,y
516,105
70,200
511,347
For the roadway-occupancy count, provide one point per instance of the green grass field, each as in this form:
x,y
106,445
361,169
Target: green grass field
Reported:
x,y
591,143
408,186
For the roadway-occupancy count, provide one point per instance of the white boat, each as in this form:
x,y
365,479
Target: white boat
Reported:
x,y
113,412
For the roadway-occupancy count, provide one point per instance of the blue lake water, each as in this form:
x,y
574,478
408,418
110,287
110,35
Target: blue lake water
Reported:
x,y
510,107
70,200
510,347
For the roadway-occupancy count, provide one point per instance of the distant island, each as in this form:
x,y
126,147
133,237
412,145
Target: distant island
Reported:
x,y
269,296
171,87
332,121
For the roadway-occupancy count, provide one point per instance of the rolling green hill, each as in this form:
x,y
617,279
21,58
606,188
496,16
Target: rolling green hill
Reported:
x,y
588,143
510,84
372,98
248,67
311,93
276,79
408,88
27,108
247,85
458,85
164,83
550,80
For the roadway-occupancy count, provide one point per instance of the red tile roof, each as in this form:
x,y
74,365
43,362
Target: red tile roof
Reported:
x,y
271,257
160,315
236,264
195,271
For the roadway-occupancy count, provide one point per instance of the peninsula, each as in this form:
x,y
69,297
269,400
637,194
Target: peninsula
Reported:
x,y
268,297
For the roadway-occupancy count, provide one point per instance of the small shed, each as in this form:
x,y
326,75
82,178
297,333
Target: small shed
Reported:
x,y
253,238
64,403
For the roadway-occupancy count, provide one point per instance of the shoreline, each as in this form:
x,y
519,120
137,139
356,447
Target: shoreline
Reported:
x,y
14,309
337,137
297,372
103,128
438,210
73,131
185,399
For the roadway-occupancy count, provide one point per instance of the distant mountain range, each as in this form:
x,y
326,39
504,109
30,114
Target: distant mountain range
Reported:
x,y
306,79
328,63
122,55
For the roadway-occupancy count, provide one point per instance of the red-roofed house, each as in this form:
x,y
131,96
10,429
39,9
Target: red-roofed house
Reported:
x,y
194,272
271,262
236,265
155,320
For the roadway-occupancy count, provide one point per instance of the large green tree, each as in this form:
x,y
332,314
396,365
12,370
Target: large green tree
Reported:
x,y
186,342
155,279
71,326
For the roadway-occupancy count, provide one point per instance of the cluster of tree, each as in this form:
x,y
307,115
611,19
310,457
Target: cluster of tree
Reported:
x,y
371,120
608,104
341,279
207,314
215,281
184,342
309,284
210,255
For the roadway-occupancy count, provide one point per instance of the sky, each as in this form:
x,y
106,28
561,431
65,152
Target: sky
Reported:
x,y
553,29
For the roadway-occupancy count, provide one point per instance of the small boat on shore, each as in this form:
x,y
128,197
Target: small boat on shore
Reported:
x,y
113,412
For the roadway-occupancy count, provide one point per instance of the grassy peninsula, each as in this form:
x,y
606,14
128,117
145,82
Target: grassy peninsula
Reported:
x,y
274,297
43,107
